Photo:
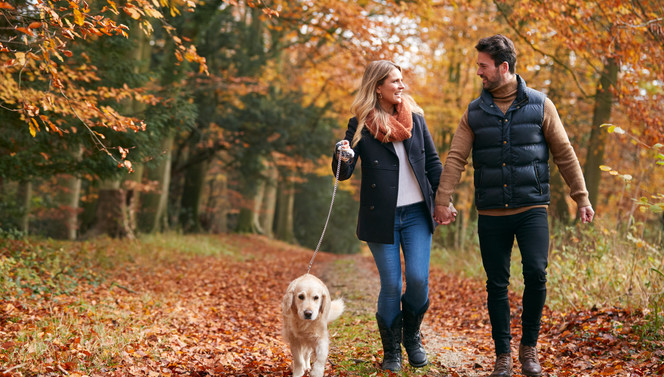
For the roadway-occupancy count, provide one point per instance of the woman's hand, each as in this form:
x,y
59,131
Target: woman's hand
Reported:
x,y
345,151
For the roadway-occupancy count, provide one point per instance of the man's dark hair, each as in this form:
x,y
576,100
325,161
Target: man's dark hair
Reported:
x,y
500,48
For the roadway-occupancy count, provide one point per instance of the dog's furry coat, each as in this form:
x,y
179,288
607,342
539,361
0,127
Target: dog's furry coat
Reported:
x,y
307,309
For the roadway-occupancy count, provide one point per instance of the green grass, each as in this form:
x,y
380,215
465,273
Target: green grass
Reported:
x,y
356,343
49,267
186,244
356,349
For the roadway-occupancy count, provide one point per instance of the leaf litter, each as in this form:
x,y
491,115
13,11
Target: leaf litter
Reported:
x,y
220,316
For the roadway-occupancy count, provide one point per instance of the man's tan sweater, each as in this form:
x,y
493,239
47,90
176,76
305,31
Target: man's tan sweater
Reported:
x,y
556,138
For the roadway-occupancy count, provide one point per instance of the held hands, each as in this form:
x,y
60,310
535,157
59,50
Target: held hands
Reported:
x,y
345,151
444,215
586,214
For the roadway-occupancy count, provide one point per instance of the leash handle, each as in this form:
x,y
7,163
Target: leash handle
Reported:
x,y
329,212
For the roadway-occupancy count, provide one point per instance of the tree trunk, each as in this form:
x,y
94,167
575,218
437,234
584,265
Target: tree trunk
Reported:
x,y
24,197
219,223
111,214
70,199
133,188
269,201
191,197
246,219
153,214
258,205
285,205
601,115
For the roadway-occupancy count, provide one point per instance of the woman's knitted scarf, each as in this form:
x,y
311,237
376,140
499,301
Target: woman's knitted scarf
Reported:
x,y
400,124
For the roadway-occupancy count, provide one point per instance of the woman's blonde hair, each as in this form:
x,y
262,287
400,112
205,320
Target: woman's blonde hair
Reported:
x,y
366,98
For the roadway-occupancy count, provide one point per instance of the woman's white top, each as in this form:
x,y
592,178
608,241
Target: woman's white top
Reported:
x,y
409,189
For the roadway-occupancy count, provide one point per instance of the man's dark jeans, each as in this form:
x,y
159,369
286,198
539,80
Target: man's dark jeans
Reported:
x,y
496,234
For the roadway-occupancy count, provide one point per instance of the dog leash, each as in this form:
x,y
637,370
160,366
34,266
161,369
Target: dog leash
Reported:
x,y
334,192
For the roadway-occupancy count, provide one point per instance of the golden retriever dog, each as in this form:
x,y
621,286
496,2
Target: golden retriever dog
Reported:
x,y
307,309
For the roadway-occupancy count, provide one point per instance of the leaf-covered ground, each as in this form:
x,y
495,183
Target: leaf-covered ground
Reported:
x,y
219,315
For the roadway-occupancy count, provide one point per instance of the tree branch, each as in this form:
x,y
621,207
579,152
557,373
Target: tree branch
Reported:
x,y
536,49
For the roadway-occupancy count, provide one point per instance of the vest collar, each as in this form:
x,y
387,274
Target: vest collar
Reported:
x,y
486,99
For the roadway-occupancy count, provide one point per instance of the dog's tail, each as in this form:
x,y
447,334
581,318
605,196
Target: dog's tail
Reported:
x,y
336,308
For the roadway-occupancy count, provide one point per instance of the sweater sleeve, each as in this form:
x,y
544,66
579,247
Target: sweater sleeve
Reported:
x,y
456,161
563,154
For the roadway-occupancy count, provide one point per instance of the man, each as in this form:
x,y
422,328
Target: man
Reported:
x,y
511,129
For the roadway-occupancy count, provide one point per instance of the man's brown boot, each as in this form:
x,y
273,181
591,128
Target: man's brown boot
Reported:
x,y
503,367
530,365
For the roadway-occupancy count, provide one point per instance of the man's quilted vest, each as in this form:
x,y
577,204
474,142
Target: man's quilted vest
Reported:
x,y
510,154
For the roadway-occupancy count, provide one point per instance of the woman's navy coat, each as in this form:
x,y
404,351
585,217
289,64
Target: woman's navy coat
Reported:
x,y
380,178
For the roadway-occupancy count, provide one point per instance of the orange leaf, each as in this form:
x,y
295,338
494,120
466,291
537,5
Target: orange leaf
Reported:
x,y
34,126
25,30
79,19
4,5
34,25
132,12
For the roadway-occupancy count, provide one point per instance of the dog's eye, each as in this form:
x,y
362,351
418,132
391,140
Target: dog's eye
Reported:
x,y
315,298
301,296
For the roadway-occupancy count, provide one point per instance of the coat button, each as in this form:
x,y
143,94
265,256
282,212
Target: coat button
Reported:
x,y
375,162
373,185
371,208
423,150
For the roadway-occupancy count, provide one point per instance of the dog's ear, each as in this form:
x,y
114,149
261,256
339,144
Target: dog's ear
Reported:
x,y
325,305
287,302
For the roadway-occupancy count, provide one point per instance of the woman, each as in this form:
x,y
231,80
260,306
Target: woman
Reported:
x,y
400,173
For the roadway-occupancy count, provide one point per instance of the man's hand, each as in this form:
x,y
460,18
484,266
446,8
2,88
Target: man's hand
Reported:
x,y
444,215
586,214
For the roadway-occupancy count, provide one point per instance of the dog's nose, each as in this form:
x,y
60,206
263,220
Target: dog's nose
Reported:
x,y
307,314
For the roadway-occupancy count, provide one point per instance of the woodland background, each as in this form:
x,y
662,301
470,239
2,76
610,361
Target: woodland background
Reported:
x,y
142,116
136,118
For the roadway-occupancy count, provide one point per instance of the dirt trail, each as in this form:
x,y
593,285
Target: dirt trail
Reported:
x,y
355,278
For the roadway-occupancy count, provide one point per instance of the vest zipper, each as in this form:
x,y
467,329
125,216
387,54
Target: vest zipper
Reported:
x,y
537,177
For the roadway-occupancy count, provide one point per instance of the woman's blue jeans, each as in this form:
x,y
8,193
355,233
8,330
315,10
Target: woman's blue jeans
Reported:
x,y
413,234
496,234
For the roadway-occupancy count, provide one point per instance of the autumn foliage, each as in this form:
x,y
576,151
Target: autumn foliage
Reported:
x,y
46,83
